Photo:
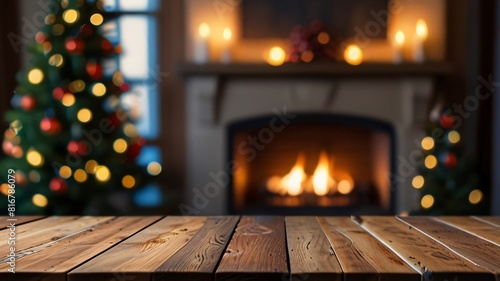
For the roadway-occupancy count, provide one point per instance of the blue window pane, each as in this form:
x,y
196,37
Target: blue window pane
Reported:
x,y
131,5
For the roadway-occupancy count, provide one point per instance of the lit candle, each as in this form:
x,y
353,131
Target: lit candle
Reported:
x,y
276,56
201,50
419,40
226,51
353,55
399,41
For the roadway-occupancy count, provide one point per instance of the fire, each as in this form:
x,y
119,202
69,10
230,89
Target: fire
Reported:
x,y
321,183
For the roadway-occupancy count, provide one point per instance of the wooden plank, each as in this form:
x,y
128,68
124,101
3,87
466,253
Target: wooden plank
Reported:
x,y
479,228
435,261
492,220
41,232
6,220
257,251
199,258
53,259
361,255
139,256
311,256
469,246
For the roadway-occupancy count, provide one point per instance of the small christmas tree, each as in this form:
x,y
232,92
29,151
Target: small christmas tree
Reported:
x,y
70,143
448,180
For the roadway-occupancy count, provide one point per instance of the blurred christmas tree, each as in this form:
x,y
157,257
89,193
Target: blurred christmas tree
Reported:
x,y
448,180
70,142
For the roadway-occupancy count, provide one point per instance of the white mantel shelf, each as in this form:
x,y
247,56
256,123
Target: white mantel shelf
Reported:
x,y
315,69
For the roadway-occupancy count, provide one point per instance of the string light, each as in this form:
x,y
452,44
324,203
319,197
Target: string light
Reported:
x,y
120,145
427,201
323,38
76,86
102,173
475,196
16,125
4,189
34,176
427,143
35,76
56,60
307,56
98,89
65,172
418,182
68,100
96,19
70,16
39,200
276,56
130,130
128,181
353,55
430,162
84,115
80,175
453,137
34,158
118,79
91,166
154,168
57,29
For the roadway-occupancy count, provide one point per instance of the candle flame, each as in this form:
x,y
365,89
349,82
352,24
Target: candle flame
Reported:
x,y
227,34
353,55
204,30
421,29
400,38
276,56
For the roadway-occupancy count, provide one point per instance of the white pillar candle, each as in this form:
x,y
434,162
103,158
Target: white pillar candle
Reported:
x,y
419,40
226,48
399,41
201,47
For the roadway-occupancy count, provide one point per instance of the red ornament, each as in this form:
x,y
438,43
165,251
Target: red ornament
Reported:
x,y
21,178
94,70
107,47
125,87
28,102
50,126
134,149
113,117
450,160
74,46
87,30
7,147
58,93
447,121
58,185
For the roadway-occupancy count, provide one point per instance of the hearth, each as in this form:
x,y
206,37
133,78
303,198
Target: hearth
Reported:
x,y
313,163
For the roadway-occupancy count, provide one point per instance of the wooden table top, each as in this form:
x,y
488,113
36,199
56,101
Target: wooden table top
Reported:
x,y
252,248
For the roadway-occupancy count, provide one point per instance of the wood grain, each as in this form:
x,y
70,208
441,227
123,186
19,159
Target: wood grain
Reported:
x,y
361,255
53,259
139,256
198,259
480,228
469,246
309,251
492,220
435,261
17,220
257,251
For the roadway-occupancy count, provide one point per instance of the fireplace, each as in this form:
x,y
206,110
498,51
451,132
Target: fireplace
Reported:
x,y
311,164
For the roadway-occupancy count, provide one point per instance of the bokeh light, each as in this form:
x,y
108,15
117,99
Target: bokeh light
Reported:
x,y
427,143
427,201
102,173
80,175
84,115
418,182
35,76
154,168
120,145
96,19
430,161
39,200
475,196
128,181
34,158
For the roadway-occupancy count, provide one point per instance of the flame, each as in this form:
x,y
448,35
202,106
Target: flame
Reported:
x,y
292,182
322,182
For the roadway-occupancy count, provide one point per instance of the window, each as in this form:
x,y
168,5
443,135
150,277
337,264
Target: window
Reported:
x,y
133,25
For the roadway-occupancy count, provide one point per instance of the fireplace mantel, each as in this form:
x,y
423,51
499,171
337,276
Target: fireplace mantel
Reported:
x,y
315,69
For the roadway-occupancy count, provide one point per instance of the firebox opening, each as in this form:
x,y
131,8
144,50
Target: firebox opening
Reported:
x,y
315,164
